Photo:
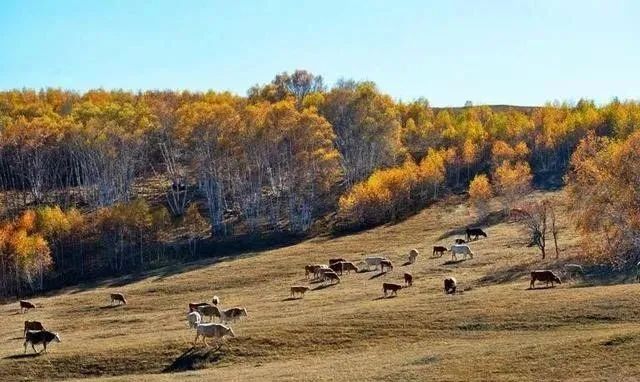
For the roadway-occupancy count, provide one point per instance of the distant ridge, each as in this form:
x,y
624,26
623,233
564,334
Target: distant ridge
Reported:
x,y
495,108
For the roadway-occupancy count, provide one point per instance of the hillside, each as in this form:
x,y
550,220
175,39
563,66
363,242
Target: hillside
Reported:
x,y
495,330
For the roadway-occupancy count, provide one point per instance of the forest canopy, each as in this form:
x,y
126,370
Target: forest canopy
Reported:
x,y
103,182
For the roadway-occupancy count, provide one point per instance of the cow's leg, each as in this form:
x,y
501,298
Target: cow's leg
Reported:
x,y
195,342
44,350
25,347
34,348
532,283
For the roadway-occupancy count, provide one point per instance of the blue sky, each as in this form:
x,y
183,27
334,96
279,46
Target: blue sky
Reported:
x,y
516,52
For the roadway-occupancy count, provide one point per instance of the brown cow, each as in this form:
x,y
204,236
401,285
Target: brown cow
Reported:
x,y
193,306
393,288
460,241
25,306
439,250
450,285
385,263
301,290
32,325
348,266
408,279
544,275
336,267
119,298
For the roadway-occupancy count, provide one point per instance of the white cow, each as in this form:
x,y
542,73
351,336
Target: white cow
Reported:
x,y
460,249
215,331
373,261
194,318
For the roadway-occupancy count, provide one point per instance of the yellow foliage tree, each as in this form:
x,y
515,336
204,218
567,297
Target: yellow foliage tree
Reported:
x,y
512,181
480,192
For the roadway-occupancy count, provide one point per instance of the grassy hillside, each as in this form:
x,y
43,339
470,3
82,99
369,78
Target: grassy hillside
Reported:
x,y
495,330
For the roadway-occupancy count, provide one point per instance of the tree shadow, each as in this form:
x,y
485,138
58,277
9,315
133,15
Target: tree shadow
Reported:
x,y
507,274
194,359
21,356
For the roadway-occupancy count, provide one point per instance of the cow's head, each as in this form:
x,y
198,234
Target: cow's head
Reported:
x,y
57,337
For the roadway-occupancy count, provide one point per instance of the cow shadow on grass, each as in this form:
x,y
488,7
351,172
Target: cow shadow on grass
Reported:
x,y
324,286
384,297
110,306
454,262
291,299
23,356
377,275
194,359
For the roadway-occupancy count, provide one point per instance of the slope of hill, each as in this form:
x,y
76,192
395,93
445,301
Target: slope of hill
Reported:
x,y
495,330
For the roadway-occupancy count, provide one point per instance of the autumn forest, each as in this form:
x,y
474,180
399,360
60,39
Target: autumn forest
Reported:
x,y
112,182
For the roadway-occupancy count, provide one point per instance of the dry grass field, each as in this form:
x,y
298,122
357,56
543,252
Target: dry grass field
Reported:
x,y
496,329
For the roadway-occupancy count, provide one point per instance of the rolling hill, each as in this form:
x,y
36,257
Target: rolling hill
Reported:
x,y
496,329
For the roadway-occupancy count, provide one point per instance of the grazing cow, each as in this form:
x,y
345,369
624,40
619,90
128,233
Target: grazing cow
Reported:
x,y
386,263
336,260
331,277
390,287
544,275
32,325
193,306
638,272
348,266
119,298
450,285
209,311
460,241
215,300
336,267
233,314
475,232
25,306
413,256
312,269
439,250
194,319
301,290
321,271
216,331
460,249
408,279
39,337
373,261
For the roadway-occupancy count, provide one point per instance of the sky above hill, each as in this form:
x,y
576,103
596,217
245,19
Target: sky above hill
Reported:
x,y
514,52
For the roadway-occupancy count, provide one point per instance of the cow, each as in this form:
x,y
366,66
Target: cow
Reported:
x,y
460,241
544,275
390,287
475,232
32,325
40,337
439,250
450,285
460,249
25,306
336,260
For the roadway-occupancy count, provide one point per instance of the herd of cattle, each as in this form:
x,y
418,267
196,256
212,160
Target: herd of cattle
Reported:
x,y
36,334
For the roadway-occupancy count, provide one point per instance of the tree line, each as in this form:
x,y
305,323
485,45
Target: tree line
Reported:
x,y
111,180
